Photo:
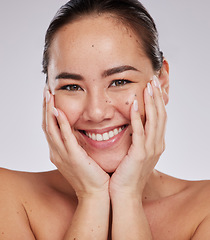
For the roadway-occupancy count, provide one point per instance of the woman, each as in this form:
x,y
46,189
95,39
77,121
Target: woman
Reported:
x,y
104,118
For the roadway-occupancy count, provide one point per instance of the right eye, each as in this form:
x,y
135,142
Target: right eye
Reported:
x,y
71,87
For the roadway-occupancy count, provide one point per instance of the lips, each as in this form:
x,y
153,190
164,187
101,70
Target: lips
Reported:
x,y
104,135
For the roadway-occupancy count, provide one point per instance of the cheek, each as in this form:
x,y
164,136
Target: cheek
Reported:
x,y
70,107
124,101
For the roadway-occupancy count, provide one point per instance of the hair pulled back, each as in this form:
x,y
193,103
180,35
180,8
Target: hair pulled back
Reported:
x,y
130,12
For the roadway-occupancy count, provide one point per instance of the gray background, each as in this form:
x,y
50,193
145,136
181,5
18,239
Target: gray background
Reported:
x,y
184,29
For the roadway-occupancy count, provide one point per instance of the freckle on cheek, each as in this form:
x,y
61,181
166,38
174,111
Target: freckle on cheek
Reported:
x,y
127,103
131,134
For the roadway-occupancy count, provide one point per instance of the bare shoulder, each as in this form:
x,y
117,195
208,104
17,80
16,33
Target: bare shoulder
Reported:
x,y
17,183
182,205
194,206
13,216
199,195
189,192
171,186
31,203
200,192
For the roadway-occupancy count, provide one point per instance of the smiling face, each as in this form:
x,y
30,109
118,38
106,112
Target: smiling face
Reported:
x,y
96,70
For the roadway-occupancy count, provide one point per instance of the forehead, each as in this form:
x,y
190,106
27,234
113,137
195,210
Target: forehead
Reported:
x,y
95,39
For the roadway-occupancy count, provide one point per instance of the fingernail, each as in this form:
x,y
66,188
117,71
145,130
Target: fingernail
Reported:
x,y
47,96
149,89
135,105
156,82
55,111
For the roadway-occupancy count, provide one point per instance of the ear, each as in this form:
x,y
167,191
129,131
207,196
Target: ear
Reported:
x,y
164,80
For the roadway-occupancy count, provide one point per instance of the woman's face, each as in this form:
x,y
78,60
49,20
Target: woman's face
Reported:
x,y
96,70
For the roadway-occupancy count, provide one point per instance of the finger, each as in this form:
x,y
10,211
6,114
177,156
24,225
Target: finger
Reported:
x,y
138,136
44,116
67,135
76,154
53,153
55,157
161,111
52,129
151,119
44,109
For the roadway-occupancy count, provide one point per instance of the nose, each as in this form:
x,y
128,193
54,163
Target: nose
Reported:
x,y
98,107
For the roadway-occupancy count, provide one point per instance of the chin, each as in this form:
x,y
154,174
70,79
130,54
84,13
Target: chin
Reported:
x,y
110,161
109,168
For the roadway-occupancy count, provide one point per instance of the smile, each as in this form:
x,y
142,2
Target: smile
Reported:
x,y
105,136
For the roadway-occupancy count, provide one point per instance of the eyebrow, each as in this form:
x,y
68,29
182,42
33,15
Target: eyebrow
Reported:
x,y
106,73
119,69
65,75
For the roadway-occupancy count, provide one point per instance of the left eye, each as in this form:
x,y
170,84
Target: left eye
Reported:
x,y
71,87
119,83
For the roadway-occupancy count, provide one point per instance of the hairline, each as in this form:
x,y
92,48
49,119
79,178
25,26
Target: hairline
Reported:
x,y
110,14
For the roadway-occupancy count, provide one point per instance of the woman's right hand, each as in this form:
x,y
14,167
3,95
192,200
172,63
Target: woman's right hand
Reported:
x,y
81,171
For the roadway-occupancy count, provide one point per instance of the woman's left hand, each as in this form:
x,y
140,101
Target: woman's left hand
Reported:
x,y
148,144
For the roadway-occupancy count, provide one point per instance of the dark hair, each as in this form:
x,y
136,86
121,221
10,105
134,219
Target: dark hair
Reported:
x,y
130,12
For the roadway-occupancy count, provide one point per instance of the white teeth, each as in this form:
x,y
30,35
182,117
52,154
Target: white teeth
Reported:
x,y
99,137
111,134
93,136
105,136
115,131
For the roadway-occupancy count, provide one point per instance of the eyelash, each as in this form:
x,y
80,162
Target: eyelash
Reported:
x,y
70,86
124,81
75,87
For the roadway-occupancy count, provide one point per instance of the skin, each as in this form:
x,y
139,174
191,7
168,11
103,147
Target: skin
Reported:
x,y
73,202
98,106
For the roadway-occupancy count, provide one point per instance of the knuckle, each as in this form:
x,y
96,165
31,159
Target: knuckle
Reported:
x,y
164,115
152,121
49,131
65,138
